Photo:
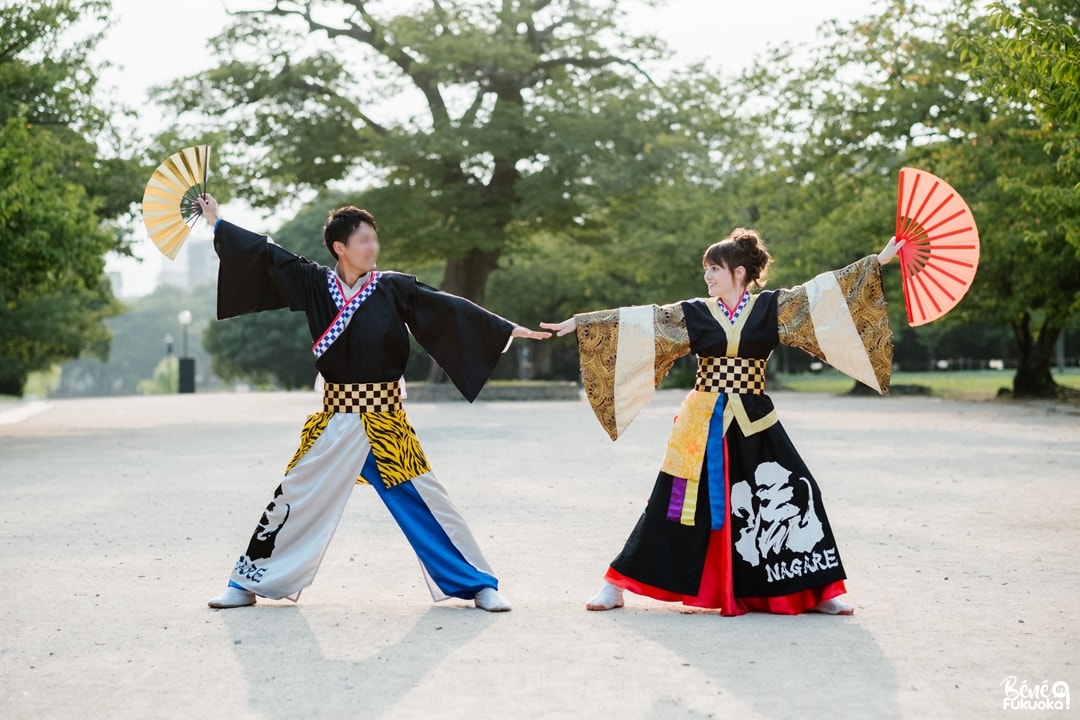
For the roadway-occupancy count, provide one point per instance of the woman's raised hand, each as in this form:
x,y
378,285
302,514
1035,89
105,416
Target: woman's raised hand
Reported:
x,y
563,328
889,251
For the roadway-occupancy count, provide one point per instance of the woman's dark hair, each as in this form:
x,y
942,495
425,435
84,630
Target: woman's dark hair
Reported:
x,y
745,247
342,223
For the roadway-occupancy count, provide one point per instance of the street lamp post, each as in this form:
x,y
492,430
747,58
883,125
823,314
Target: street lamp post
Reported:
x,y
168,361
187,364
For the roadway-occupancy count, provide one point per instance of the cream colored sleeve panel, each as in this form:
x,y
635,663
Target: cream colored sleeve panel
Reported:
x,y
635,364
836,333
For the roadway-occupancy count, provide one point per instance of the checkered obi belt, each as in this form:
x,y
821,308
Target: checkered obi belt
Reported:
x,y
742,376
362,397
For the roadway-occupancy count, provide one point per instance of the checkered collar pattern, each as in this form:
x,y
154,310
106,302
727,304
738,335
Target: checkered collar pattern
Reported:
x,y
733,316
346,309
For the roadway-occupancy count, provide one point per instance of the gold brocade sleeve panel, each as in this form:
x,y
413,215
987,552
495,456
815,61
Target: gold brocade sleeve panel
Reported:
x,y
841,318
671,340
625,353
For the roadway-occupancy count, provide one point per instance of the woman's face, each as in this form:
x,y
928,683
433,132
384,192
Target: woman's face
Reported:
x,y
721,281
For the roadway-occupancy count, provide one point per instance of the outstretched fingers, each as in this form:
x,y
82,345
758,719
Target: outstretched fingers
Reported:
x,y
528,334
563,328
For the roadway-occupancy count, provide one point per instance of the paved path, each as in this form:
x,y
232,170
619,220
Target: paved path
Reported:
x,y
958,525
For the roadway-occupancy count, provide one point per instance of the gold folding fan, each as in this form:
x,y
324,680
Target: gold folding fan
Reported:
x,y
170,208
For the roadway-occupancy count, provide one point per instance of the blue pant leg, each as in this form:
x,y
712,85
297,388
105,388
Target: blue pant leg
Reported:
x,y
444,562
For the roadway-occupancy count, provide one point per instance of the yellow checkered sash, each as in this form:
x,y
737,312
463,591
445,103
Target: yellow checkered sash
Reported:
x,y
741,376
361,397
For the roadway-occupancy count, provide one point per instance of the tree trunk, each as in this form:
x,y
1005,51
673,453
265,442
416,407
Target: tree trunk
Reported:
x,y
12,382
466,277
1035,355
542,359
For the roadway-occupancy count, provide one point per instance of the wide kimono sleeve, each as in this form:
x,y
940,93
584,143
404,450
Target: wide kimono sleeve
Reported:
x,y
840,317
255,274
463,338
625,353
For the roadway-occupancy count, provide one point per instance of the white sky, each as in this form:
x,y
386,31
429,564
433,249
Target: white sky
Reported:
x,y
154,41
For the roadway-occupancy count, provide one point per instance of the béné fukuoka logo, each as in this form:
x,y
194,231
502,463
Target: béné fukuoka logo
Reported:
x,y
1037,696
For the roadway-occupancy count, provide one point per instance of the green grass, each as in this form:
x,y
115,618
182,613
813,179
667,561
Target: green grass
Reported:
x,y
958,384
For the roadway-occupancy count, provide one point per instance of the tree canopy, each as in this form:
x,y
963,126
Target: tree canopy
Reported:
x,y
1029,58
57,190
537,141
898,89
510,118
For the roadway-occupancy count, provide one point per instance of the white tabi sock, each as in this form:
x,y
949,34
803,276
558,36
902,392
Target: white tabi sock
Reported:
x,y
834,607
233,597
489,599
609,598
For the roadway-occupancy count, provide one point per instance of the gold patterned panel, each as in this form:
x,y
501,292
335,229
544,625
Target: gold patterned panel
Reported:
x,y
672,338
686,444
686,447
794,323
313,428
598,342
861,284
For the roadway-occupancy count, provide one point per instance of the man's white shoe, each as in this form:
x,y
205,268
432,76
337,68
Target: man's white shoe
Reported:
x,y
489,599
609,598
233,597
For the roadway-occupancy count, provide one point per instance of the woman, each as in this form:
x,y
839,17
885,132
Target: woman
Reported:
x,y
735,521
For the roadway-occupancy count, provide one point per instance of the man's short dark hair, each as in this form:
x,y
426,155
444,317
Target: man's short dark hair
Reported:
x,y
342,223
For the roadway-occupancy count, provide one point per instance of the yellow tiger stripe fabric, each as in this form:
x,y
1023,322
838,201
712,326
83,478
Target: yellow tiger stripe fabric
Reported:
x,y
313,428
398,453
397,449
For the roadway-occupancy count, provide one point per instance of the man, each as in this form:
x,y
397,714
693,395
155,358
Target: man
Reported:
x,y
360,320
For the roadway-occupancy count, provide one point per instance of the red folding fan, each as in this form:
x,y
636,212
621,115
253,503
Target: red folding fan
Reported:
x,y
939,259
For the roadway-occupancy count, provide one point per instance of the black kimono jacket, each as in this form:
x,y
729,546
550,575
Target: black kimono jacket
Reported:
x,y
464,339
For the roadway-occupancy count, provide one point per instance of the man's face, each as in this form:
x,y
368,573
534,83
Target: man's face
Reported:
x,y
360,250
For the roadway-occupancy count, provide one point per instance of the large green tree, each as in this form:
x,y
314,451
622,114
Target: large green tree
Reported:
x,y
1032,60
893,90
471,126
57,191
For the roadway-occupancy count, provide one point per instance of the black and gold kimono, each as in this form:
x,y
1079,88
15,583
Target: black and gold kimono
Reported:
x,y
735,520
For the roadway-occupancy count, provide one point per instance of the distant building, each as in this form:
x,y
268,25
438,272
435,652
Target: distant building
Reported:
x,y
116,280
195,265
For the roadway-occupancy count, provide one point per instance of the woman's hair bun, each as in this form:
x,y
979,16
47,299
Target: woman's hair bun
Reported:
x,y
743,247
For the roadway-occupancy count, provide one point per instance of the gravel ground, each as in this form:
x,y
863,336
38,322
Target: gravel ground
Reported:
x,y
957,523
